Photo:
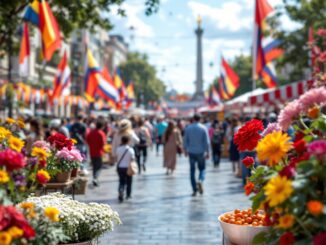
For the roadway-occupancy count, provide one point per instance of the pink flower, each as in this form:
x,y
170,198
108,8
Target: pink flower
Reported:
x,y
318,148
271,127
322,57
42,144
321,32
313,97
73,155
290,112
320,239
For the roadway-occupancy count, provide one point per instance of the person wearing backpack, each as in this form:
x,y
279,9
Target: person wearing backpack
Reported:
x,y
216,141
125,155
144,141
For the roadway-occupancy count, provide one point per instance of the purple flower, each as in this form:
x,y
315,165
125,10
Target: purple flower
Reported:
x,y
32,161
20,180
271,127
318,148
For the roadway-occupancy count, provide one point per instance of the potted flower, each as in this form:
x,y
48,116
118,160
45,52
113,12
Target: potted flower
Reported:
x,y
81,222
290,182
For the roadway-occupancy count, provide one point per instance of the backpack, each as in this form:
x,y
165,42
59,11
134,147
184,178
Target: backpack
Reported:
x,y
216,139
142,138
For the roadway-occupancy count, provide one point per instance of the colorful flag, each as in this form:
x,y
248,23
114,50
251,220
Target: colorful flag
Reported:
x,y
32,13
106,88
215,98
265,49
119,84
61,84
229,79
92,76
130,98
39,13
223,90
24,54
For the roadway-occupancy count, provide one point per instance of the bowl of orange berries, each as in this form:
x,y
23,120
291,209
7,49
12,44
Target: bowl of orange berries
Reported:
x,y
241,226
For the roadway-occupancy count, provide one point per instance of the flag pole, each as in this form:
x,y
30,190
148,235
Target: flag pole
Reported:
x,y
254,50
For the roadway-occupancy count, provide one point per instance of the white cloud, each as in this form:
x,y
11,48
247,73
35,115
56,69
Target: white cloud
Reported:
x,y
228,16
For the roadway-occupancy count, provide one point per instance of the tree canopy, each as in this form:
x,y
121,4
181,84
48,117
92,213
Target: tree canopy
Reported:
x,y
147,86
71,15
308,13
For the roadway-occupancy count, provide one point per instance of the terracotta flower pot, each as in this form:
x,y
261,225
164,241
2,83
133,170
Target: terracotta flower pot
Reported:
x,y
74,173
63,177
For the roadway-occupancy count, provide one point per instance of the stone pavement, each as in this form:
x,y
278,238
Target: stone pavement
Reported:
x,y
162,210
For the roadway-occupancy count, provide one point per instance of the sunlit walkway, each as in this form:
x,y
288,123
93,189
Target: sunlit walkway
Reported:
x,y
162,210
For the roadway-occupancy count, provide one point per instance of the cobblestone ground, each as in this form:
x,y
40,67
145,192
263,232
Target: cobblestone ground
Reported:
x,y
162,210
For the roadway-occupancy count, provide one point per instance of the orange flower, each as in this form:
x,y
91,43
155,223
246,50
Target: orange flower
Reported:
x,y
249,187
315,207
313,112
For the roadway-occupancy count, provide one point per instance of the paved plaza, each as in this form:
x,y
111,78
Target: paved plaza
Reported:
x,y
162,210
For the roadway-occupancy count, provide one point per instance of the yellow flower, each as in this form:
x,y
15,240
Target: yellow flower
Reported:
x,y
107,148
286,221
15,232
10,120
27,205
52,213
277,190
273,147
32,214
16,144
4,177
40,153
4,133
5,238
21,124
74,141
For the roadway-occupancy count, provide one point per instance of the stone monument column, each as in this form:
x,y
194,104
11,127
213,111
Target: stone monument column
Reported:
x,y
199,93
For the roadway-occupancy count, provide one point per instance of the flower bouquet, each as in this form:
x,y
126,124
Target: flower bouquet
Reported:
x,y
290,182
79,221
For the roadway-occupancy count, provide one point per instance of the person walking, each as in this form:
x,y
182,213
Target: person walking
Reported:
x,y
124,129
96,140
36,133
196,146
145,140
172,146
233,149
160,130
216,142
125,155
78,133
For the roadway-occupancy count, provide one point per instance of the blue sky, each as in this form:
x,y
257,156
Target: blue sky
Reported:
x,y
169,40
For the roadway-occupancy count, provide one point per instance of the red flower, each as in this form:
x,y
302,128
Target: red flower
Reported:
x,y
288,171
267,220
248,161
287,238
299,135
249,187
12,160
248,135
10,216
320,239
60,141
42,177
300,146
42,163
295,160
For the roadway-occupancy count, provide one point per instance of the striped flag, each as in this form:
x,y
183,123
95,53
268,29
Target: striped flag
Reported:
x,y
265,49
92,76
39,13
24,54
229,80
130,91
62,81
106,88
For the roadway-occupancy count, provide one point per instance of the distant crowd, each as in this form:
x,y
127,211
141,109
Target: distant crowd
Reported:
x,y
130,139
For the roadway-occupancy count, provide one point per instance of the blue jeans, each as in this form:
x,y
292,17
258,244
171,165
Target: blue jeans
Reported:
x,y
246,172
201,163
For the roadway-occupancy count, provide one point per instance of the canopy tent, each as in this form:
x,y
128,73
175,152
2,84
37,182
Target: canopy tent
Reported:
x,y
241,102
209,109
280,95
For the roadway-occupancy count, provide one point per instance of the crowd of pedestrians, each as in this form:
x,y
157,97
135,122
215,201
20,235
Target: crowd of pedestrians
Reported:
x,y
132,138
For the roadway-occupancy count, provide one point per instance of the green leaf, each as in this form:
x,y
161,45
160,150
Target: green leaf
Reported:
x,y
260,238
257,200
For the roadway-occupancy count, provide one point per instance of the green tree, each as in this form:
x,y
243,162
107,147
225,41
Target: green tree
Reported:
x,y
147,86
308,13
70,14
